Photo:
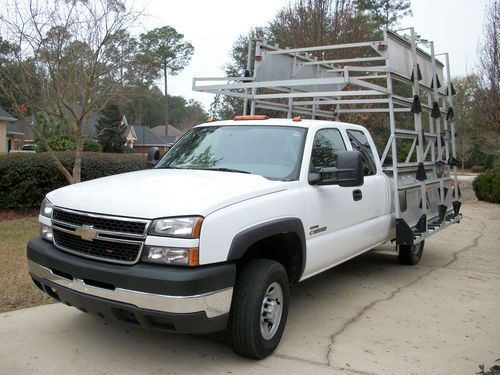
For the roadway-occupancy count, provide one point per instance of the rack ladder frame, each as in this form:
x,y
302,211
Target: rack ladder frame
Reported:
x,y
294,82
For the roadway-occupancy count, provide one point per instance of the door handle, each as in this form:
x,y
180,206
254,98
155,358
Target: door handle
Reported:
x,y
357,195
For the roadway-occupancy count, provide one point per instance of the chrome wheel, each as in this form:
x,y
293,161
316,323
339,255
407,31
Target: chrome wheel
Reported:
x,y
271,311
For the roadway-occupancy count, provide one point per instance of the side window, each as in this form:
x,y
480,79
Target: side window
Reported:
x,y
327,143
360,143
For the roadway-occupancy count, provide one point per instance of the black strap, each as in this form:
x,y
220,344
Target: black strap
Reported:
x,y
416,107
453,162
419,74
437,81
453,92
450,115
421,175
436,112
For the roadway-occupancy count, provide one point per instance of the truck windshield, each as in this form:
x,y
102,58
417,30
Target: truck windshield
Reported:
x,y
273,152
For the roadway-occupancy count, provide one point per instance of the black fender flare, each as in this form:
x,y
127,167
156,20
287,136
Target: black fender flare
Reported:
x,y
243,240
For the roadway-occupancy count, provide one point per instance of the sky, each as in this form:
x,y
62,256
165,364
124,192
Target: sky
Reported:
x,y
212,27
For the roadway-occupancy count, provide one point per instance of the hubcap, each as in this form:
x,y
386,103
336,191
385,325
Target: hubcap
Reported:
x,y
271,311
416,248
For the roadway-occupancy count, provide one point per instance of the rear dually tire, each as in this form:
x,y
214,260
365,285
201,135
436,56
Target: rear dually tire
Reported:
x,y
410,254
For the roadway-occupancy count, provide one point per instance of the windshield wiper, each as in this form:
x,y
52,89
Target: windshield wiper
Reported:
x,y
221,169
227,170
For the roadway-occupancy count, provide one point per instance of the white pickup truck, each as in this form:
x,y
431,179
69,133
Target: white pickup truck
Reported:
x,y
215,234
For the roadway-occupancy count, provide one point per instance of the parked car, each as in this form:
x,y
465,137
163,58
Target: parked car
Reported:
x,y
27,148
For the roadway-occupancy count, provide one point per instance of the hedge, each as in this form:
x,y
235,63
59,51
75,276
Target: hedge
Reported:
x,y
487,186
64,143
26,178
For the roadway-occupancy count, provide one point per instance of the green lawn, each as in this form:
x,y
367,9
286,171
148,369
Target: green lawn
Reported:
x,y
17,290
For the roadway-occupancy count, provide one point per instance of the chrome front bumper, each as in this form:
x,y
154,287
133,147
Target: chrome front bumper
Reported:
x,y
213,304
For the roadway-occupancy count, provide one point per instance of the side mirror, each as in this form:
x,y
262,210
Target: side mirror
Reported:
x,y
153,156
349,171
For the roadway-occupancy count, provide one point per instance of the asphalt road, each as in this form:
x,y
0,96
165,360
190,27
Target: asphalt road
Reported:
x,y
367,316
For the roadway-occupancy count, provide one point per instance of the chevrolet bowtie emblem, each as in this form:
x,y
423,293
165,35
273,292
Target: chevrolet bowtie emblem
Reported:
x,y
86,232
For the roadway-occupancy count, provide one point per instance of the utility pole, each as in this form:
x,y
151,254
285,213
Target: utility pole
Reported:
x,y
166,99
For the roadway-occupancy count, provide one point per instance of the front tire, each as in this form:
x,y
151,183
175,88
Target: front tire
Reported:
x,y
259,308
411,254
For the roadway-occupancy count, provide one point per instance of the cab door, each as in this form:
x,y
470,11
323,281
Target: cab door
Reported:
x,y
341,221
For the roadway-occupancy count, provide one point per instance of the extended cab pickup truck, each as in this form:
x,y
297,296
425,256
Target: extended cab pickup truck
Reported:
x,y
214,235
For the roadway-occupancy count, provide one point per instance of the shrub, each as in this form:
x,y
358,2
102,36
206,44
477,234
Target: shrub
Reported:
x,y
487,186
57,143
91,145
26,178
67,143
489,161
475,156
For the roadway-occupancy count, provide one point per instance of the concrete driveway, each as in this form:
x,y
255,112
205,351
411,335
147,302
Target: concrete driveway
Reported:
x,y
368,316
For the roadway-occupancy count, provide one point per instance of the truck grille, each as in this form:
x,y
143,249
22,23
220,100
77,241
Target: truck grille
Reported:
x,y
110,239
113,251
98,222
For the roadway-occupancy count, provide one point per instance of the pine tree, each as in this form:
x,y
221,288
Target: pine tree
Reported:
x,y
384,13
167,52
111,129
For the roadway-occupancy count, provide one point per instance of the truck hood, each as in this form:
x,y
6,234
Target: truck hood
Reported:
x,y
159,193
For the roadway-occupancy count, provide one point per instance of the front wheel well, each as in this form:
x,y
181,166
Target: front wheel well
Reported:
x,y
285,248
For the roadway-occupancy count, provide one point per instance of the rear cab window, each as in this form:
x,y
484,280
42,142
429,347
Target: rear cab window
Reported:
x,y
359,142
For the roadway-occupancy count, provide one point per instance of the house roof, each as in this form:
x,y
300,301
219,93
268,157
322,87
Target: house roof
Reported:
x,y
146,137
25,126
22,127
6,116
172,131
92,121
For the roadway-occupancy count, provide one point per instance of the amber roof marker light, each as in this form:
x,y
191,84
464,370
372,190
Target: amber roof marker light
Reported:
x,y
382,47
252,117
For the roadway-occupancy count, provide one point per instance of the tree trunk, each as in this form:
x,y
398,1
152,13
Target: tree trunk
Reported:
x,y
59,165
77,168
166,101
53,156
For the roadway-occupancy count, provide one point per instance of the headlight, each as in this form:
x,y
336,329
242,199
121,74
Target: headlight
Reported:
x,y
183,227
46,208
171,255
